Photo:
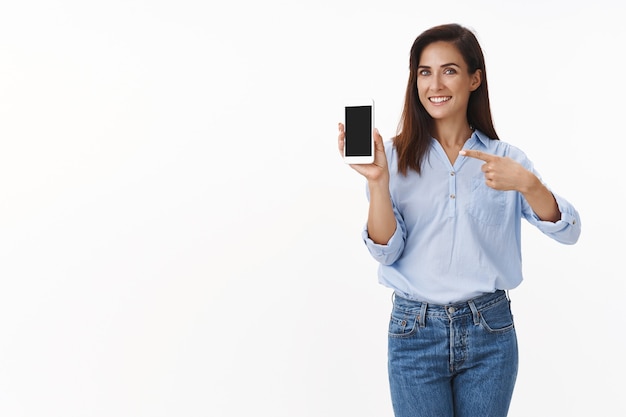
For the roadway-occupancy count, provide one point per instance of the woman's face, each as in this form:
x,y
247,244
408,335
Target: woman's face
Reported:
x,y
443,83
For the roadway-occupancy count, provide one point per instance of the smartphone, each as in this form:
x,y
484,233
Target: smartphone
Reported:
x,y
359,130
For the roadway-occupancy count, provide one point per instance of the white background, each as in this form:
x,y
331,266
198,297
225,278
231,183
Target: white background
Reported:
x,y
179,236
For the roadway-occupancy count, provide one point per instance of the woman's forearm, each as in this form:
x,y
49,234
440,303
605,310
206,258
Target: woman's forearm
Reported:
x,y
381,221
541,200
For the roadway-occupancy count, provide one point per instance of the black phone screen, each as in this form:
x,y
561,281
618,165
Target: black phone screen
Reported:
x,y
358,131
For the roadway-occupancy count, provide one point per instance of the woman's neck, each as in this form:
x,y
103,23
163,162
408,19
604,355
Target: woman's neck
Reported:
x,y
451,135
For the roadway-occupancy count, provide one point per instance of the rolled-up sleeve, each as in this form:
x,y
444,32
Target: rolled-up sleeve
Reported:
x,y
389,253
567,229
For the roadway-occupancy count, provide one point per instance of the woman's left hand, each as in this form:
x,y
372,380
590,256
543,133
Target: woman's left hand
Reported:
x,y
503,173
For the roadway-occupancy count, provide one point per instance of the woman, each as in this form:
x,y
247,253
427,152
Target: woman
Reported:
x,y
446,198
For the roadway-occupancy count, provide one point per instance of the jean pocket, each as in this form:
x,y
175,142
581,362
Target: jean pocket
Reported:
x,y
497,318
486,204
402,323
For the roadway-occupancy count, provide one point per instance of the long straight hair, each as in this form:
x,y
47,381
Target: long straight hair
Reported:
x,y
414,130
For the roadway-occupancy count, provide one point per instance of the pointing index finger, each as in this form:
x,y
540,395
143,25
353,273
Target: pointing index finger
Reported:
x,y
476,154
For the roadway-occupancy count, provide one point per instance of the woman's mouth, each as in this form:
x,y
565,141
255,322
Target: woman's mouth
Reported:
x,y
438,100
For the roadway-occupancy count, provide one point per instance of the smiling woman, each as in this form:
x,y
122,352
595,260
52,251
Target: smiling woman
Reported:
x,y
446,199
444,85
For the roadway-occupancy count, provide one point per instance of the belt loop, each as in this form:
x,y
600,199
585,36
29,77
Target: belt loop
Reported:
x,y
422,317
475,312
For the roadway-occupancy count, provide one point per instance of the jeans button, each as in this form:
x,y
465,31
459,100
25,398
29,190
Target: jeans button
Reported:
x,y
451,310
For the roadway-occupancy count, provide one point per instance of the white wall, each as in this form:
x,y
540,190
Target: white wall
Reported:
x,y
179,237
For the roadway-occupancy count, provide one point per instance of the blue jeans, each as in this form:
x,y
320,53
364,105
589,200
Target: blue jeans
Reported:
x,y
457,360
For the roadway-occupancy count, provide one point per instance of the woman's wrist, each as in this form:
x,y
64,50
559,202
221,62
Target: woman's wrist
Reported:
x,y
379,184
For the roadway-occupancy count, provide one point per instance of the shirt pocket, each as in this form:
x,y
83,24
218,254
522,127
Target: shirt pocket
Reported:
x,y
486,205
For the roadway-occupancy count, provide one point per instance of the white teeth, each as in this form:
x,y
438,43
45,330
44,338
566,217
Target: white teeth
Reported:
x,y
439,99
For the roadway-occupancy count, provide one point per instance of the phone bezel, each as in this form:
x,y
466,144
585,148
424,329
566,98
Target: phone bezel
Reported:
x,y
361,159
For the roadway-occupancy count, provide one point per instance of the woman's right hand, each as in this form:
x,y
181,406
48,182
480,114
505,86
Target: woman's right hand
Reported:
x,y
376,171
381,221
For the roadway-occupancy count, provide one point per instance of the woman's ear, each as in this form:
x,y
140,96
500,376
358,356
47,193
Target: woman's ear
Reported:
x,y
477,78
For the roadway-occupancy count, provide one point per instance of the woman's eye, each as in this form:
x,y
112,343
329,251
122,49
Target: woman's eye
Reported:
x,y
449,71
424,72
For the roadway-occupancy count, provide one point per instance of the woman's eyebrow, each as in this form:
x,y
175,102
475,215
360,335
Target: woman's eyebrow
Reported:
x,y
450,64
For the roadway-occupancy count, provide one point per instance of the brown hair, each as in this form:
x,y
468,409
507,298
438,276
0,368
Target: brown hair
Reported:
x,y
414,130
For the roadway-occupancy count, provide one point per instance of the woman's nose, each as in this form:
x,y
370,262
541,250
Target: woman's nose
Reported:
x,y
436,82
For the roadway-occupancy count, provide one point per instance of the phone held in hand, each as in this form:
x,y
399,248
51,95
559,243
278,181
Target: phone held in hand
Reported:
x,y
359,132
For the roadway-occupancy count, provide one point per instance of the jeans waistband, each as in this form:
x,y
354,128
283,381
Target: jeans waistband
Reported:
x,y
464,307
